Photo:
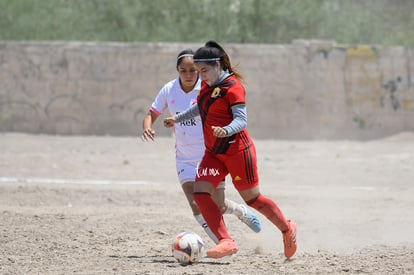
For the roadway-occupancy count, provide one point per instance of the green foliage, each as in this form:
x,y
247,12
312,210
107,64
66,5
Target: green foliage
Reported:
x,y
383,22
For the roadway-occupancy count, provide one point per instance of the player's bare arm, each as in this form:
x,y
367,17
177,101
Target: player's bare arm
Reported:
x,y
148,133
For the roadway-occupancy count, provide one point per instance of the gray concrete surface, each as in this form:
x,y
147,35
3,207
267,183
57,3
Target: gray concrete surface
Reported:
x,y
304,90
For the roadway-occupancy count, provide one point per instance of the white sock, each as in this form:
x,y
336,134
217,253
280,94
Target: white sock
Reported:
x,y
200,219
233,208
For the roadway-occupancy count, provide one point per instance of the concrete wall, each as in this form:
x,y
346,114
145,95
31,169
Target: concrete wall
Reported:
x,y
305,90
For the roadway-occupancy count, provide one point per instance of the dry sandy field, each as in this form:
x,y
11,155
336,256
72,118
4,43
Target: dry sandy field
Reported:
x,y
112,205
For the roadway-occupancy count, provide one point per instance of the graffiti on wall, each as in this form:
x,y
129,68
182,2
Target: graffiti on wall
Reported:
x,y
101,89
392,87
45,91
372,86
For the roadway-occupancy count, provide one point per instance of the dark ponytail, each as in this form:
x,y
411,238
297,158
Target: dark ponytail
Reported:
x,y
212,52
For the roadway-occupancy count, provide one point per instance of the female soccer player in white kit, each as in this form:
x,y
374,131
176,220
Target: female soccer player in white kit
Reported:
x,y
177,95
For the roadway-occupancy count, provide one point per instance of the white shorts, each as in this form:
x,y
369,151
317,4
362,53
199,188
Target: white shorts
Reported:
x,y
187,171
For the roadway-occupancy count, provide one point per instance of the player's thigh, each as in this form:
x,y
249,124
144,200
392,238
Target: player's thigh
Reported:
x,y
243,169
212,170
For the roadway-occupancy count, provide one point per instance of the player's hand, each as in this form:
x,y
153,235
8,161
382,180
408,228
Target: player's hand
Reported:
x,y
169,122
219,131
148,135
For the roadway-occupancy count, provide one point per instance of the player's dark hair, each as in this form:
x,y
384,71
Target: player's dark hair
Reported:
x,y
213,52
183,54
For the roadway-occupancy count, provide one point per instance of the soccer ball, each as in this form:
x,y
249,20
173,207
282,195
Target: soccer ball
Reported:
x,y
187,247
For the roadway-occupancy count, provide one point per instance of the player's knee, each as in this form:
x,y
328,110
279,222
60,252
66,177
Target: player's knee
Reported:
x,y
252,201
223,208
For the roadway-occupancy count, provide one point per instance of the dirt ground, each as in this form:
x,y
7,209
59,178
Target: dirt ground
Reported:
x,y
112,205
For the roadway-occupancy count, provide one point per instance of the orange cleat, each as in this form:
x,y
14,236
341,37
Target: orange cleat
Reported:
x,y
289,240
225,247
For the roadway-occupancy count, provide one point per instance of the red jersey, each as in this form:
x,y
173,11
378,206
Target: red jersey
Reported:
x,y
215,104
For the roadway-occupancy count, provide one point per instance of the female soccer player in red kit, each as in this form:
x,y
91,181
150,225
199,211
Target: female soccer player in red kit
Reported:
x,y
229,149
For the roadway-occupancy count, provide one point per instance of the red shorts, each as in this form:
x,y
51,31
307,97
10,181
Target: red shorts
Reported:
x,y
242,167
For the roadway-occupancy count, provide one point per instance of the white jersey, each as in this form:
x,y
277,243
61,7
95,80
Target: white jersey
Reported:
x,y
189,134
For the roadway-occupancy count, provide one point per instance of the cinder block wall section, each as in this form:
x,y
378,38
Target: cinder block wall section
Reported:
x,y
304,90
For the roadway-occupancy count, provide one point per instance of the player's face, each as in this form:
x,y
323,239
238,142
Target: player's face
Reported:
x,y
208,73
188,73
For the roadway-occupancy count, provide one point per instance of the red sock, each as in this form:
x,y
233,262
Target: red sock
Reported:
x,y
271,211
212,214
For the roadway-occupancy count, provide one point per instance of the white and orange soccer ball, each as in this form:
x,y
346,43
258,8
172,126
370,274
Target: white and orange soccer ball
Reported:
x,y
187,248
